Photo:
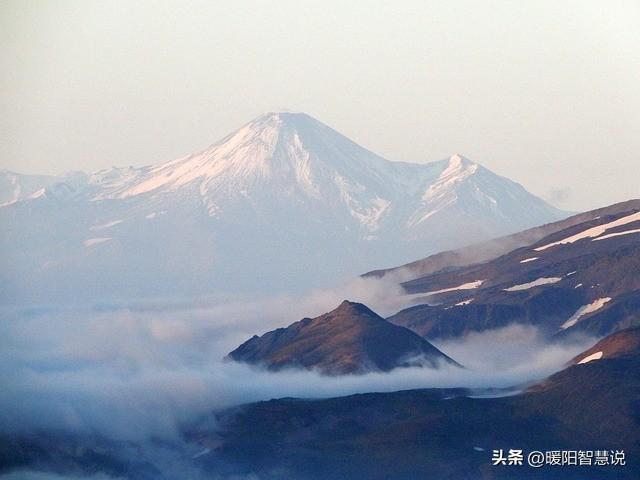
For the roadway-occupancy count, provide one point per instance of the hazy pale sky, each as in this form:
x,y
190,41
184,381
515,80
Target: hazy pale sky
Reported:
x,y
546,93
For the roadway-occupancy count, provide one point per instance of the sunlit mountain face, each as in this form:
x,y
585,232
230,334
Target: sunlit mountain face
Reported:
x,y
282,204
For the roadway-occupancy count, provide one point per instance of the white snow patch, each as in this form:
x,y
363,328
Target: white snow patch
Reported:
x,y
464,286
535,283
369,217
593,356
530,259
464,302
40,193
153,215
105,225
593,231
584,310
95,241
617,234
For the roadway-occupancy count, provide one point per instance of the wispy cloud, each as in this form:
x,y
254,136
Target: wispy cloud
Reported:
x,y
145,370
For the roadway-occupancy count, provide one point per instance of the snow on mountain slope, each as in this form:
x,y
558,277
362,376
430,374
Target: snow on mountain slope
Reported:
x,y
285,201
283,158
576,284
594,231
277,147
293,157
15,187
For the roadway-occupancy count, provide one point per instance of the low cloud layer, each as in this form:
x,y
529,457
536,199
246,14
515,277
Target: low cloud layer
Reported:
x,y
144,371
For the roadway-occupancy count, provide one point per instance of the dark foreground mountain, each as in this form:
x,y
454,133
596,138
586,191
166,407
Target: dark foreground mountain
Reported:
x,y
350,339
580,279
437,434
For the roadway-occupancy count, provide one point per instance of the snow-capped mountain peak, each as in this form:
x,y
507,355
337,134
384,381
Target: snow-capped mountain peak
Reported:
x,y
275,147
286,191
457,169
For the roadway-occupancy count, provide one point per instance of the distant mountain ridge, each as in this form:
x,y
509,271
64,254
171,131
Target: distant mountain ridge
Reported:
x,y
285,197
582,278
15,187
490,249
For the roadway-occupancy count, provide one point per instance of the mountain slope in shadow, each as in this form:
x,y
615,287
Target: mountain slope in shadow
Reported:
x,y
350,339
